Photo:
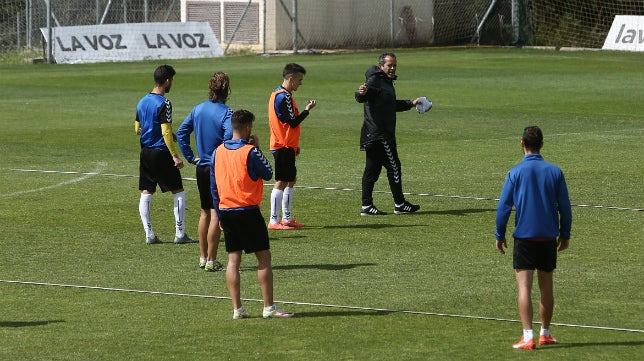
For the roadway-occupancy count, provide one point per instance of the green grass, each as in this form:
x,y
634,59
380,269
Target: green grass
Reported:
x,y
85,230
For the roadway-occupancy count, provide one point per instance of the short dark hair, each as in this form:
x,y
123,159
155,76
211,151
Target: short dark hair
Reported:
x,y
381,58
163,73
219,86
291,69
532,138
241,118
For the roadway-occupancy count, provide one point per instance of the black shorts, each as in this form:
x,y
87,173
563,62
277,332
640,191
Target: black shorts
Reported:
x,y
285,164
244,230
203,184
156,166
529,255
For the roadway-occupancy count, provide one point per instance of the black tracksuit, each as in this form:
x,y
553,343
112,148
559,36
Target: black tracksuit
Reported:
x,y
378,134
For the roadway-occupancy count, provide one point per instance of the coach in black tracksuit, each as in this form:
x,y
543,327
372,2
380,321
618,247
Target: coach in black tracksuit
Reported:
x,y
378,135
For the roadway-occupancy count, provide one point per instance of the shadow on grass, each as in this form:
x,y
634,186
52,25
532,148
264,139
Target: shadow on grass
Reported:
x,y
326,267
462,212
590,344
341,313
373,226
27,323
289,236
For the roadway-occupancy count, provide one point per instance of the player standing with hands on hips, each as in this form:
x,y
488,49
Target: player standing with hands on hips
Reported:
x,y
239,171
210,121
537,189
378,134
284,120
159,158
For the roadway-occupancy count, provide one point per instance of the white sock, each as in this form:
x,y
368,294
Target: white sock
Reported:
x,y
210,263
287,201
144,211
202,260
179,212
276,203
545,332
528,335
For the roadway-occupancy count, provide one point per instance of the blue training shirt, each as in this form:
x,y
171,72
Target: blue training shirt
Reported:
x,y
537,189
151,111
210,122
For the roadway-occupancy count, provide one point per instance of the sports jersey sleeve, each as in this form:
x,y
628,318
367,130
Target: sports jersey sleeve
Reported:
x,y
168,138
227,126
258,165
165,119
404,105
183,137
565,209
286,112
213,185
504,208
165,112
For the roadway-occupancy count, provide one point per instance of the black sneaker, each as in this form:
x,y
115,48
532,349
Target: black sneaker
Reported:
x,y
372,211
406,208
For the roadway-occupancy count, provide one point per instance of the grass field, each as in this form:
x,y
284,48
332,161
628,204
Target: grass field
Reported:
x,y
78,282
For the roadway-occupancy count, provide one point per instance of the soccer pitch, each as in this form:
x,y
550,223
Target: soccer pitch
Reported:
x,y
77,281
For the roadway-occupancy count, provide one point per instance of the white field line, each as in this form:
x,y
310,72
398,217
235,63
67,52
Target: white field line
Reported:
x,y
359,308
99,167
102,165
88,174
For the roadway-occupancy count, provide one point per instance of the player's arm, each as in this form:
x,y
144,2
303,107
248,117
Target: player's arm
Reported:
x,y
285,111
137,124
258,165
565,209
183,138
213,186
165,119
404,105
361,93
368,90
504,208
168,138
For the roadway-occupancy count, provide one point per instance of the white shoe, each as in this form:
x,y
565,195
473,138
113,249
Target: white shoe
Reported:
x,y
274,311
240,313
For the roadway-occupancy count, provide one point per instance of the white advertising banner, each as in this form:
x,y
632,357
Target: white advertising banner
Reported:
x,y
626,33
132,42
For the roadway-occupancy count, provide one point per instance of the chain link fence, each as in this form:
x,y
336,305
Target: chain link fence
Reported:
x,y
331,24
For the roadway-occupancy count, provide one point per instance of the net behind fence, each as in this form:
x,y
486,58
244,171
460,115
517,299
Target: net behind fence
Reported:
x,y
577,23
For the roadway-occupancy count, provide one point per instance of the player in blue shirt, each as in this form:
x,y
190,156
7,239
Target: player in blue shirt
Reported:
x,y
159,158
210,122
537,189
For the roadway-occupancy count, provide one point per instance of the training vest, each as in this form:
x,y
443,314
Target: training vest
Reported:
x,y
282,134
235,187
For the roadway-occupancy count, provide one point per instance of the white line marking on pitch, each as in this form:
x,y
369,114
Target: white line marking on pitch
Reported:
x,y
99,167
309,304
305,187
